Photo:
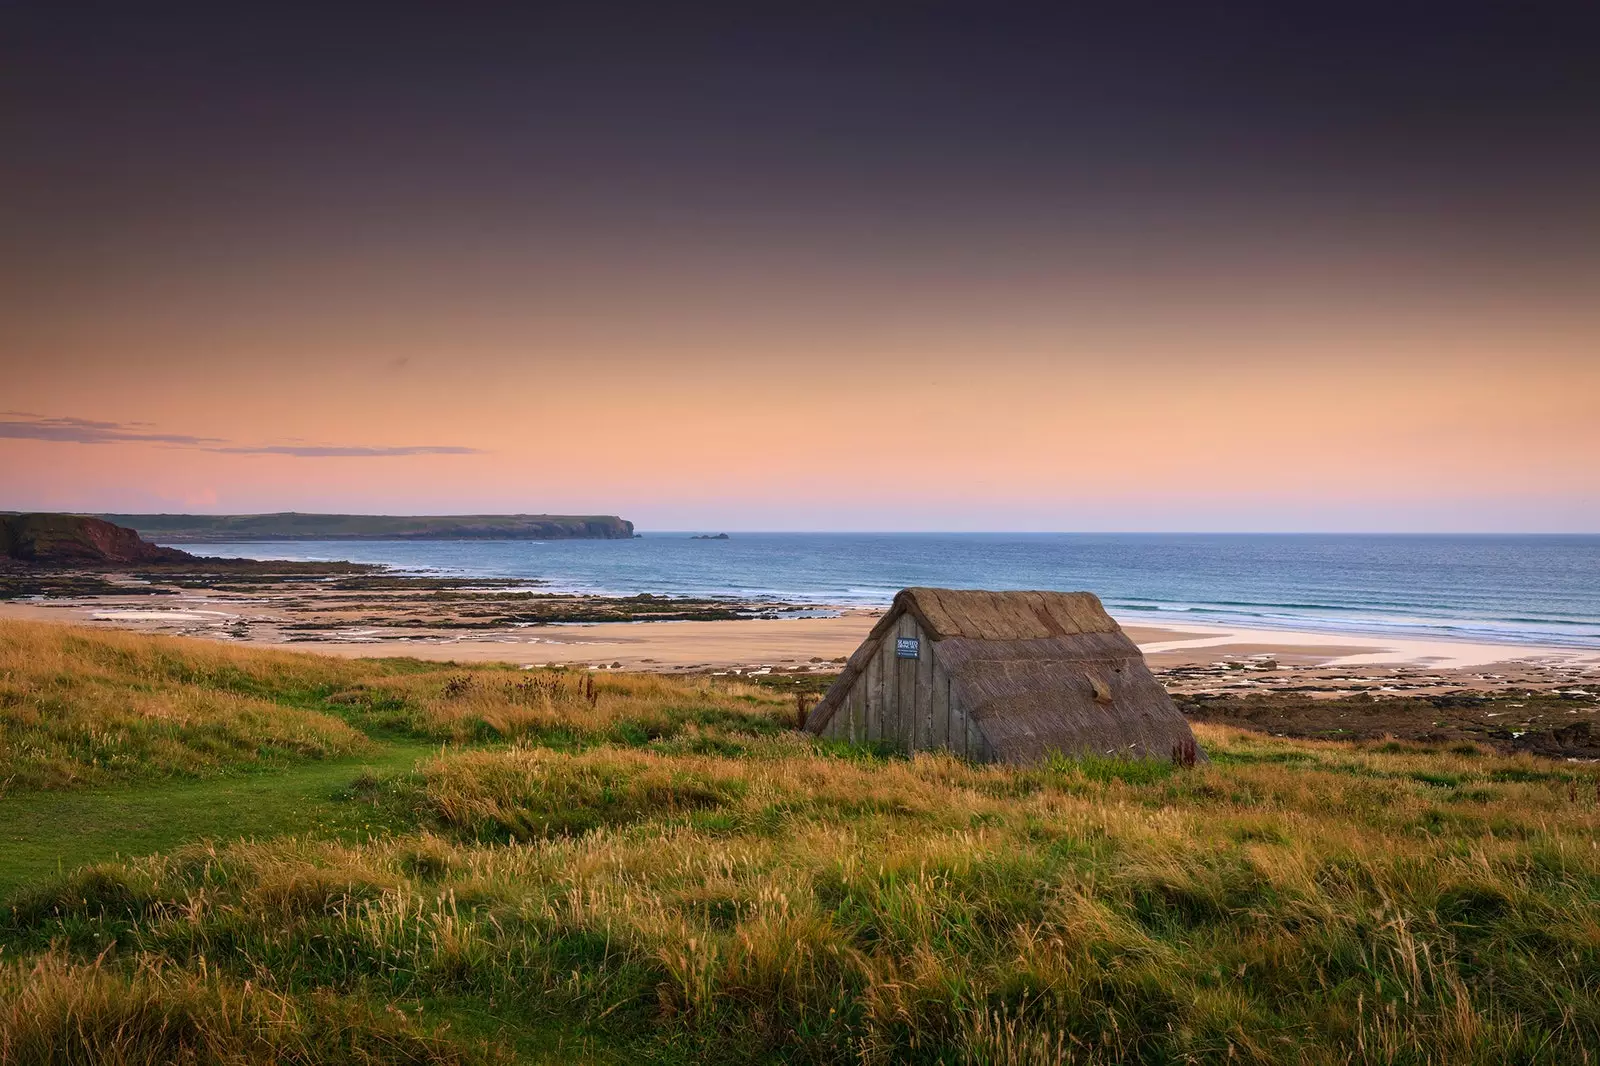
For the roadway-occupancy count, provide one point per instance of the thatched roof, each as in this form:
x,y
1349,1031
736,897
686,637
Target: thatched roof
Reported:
x,y
982,615
1040,672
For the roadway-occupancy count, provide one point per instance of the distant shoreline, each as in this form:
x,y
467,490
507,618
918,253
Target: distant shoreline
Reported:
x,y
298,526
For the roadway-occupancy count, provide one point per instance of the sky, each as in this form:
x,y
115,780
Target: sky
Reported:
x,y
898,266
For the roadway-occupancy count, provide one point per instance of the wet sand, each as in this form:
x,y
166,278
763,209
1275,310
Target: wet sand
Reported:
x,y
1190,643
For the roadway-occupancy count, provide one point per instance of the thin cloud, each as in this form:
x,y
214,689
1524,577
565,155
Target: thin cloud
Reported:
x,y
88,431
20,425
321,450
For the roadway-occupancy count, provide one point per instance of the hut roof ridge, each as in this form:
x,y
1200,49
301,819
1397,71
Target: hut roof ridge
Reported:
x,y
1014,615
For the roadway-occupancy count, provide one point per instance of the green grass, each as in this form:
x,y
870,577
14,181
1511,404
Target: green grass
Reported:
x,y
559,867
42,833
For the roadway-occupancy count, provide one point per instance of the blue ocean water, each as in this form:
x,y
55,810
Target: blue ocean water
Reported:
x,y
1511,589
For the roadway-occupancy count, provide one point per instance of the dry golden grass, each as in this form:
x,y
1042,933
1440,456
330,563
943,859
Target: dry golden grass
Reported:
x,y
500,704
78,706
655,864
53,1010
1336,908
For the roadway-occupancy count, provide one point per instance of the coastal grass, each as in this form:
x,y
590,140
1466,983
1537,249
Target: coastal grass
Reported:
x,y
46,832
83,707
78,707
597,868
55,1010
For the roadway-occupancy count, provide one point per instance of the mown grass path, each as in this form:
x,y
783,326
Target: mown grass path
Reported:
x,y
42,832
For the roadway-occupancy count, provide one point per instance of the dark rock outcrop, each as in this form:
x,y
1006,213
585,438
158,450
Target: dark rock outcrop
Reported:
x,y
66,539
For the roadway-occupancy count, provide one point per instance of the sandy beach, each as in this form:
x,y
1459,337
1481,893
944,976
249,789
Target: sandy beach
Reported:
x,y
1190,658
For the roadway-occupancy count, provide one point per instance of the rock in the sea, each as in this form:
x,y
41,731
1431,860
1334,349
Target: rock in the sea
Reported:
x,y
77,539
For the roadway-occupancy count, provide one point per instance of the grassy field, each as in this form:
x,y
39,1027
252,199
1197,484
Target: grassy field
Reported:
x,y
268,857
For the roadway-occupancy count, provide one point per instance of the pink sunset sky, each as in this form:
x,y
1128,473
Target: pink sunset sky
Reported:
x,y
755,275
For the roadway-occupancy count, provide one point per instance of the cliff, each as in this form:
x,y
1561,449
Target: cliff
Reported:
x,y
77,539
291,525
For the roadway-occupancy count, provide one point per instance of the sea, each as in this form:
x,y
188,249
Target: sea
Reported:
x,y
1539,590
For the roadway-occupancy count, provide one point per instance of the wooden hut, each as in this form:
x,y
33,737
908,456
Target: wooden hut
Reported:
x,y
1003,676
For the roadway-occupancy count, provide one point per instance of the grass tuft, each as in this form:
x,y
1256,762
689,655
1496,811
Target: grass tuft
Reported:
x,y
53,1010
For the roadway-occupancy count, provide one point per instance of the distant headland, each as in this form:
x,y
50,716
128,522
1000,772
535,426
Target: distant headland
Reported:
x,y
292,525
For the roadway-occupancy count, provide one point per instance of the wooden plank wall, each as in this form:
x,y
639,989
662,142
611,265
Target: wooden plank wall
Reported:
x,y
922,738
872,679
905,684
907,702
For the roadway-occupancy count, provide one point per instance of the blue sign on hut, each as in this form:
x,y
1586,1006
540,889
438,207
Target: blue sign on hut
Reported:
x,y
1003,677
